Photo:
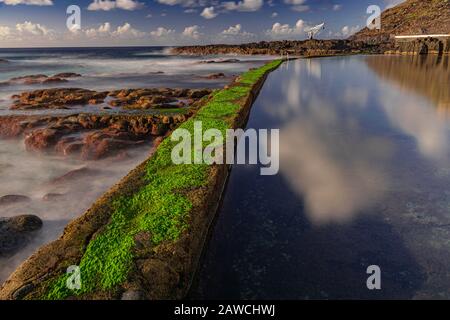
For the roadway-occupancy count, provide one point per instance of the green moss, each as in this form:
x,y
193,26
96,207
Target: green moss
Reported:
x,y
160,208
218,110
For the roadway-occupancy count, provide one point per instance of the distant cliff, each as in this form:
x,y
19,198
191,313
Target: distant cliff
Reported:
x,y
411,17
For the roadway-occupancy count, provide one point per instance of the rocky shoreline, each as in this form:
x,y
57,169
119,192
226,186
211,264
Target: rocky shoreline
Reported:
x,y
160,270
287,47
69,127
97,135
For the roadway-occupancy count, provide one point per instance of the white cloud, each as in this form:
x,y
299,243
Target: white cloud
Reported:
x,y
348,31
104,5
245,5
279,29
184,3
30,28
233,30
337,7
127,31
26,32
274,14
28,2
209,13
107,5
192,32
105,30
302,8
162,32
236,31
297,5
5,32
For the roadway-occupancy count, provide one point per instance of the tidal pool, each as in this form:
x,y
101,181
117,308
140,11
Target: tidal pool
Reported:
x,y
364,180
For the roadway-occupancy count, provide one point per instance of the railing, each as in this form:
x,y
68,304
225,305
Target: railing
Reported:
x,y
423,36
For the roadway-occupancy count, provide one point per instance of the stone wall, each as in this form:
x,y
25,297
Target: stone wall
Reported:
x,y
423,46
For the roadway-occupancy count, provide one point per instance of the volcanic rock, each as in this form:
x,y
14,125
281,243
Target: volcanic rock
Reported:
x,y
13,198
15,232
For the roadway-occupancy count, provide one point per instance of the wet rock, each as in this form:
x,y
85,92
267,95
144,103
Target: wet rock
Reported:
x,y
198,93
12,126
102,144
213,76
42,78
29,79
13,198
23,291
73,175
42,139
54,80
3,61
67,75
56,98
15,232
220,61
68,146
133,295
52,196
154,97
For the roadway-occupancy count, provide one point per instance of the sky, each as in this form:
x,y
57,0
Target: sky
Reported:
x,y
43,23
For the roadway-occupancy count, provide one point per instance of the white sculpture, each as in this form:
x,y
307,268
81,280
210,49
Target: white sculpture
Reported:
x,y
315,30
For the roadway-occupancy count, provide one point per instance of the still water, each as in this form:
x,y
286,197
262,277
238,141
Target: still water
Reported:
x,y
364,180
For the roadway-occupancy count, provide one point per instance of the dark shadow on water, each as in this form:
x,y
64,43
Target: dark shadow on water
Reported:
x,y
266,249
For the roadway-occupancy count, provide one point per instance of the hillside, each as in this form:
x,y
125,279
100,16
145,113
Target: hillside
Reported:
x,y
410,17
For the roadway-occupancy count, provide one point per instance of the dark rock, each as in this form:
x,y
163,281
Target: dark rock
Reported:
x,y
133,295
29,80
67,75
73,175
42,139
54,80
220,61
23,291
56,98
15,232
13,198
213,76
154,97
52,196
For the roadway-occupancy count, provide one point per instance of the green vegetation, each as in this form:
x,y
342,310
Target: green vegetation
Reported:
x,y
160,208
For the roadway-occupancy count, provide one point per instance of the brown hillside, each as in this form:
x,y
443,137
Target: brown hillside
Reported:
x,y
410,17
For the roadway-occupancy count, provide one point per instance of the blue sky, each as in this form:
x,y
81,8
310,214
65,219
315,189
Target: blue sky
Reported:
x,y
28,23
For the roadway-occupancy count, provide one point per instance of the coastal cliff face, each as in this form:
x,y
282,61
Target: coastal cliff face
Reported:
x,y
411,17
291,47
